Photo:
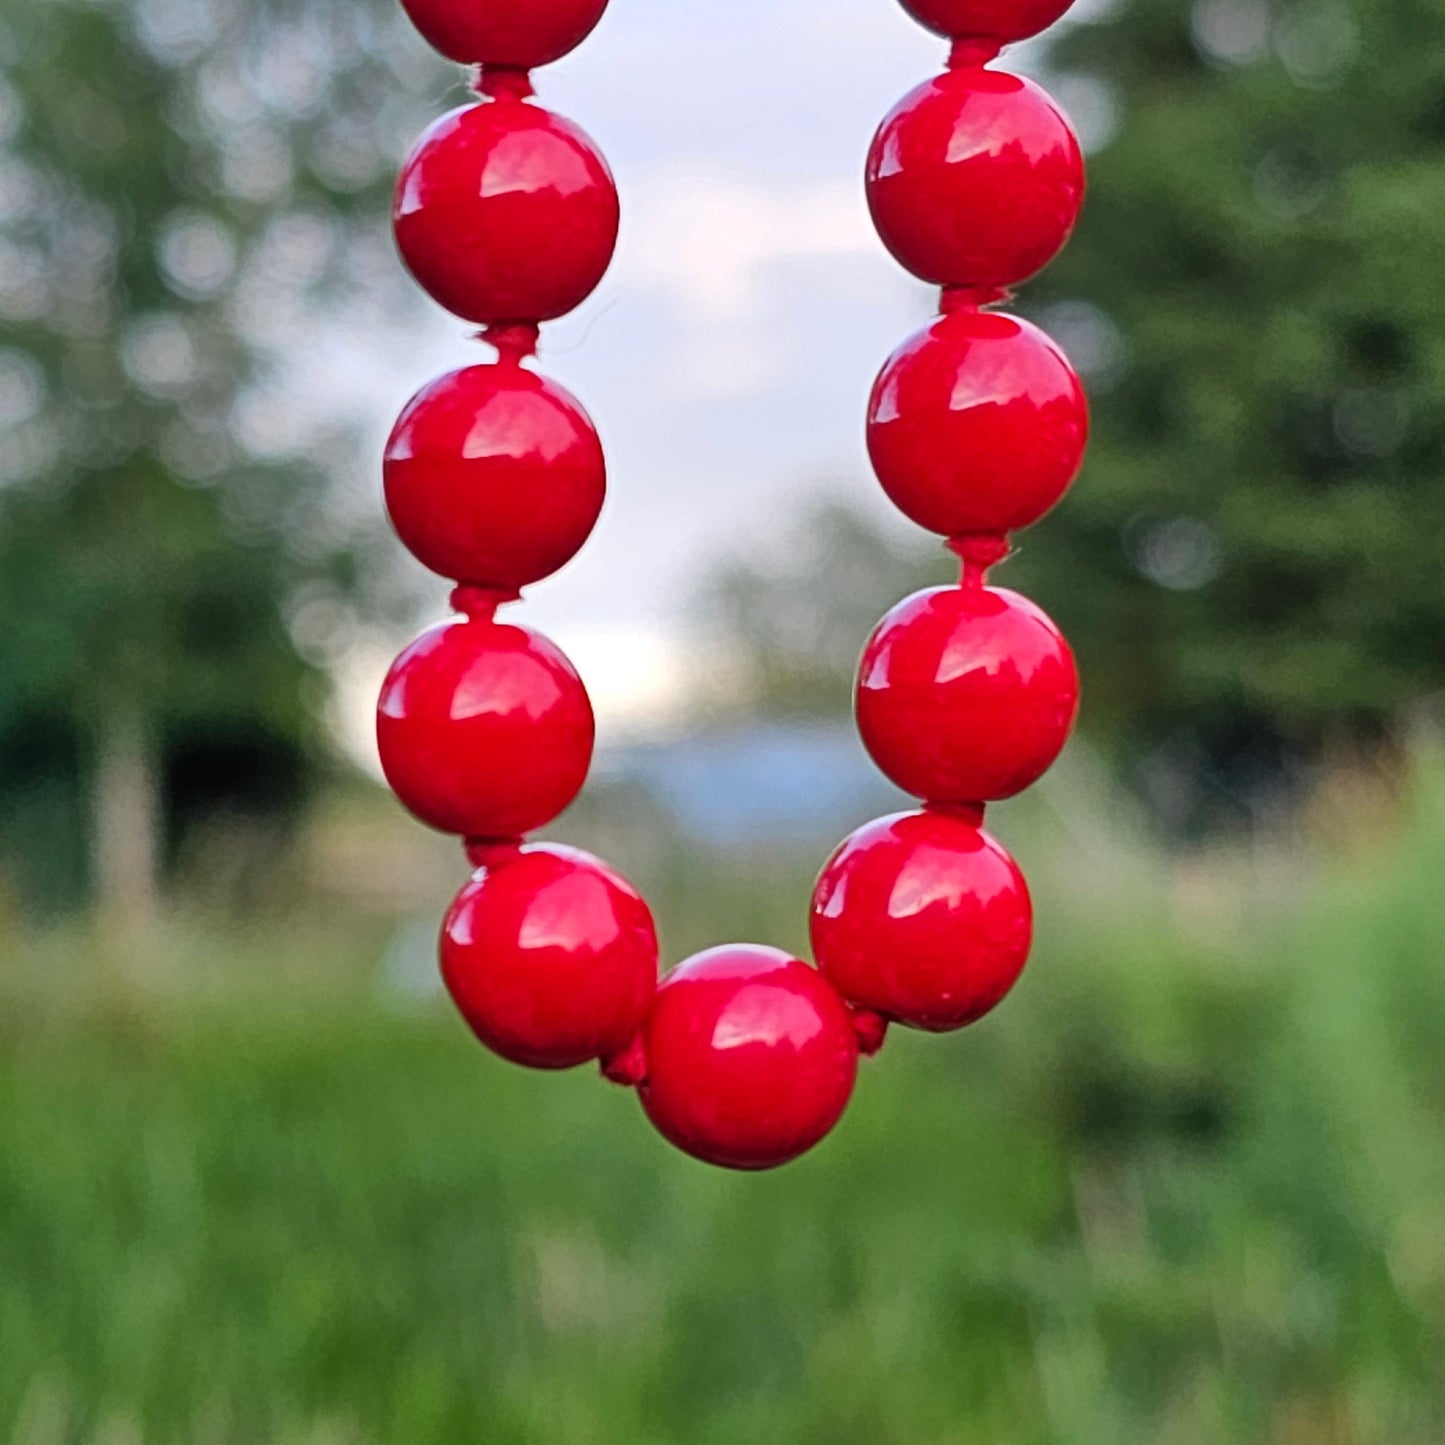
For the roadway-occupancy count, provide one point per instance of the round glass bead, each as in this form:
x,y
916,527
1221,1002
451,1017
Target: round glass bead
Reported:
x,y
1002,20
494,476
751,1057
519,34
966,694
550,956
505,212
977,424
975,180
484,728
923,918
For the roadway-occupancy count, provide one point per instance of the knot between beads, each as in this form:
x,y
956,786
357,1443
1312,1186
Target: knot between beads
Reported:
x,y
498,81
971,813
490,852
479,604
971,298
515,340
871,1029
978,553
627,1067
971,51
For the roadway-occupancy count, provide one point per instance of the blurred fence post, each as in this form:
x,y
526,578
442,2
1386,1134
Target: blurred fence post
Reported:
x,y
126,823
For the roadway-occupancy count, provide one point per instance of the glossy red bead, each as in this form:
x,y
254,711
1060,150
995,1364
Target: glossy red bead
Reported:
x,y
513,33
966,694
494,476
505,212
923,918
1002,20
550,956
484,729
975,179
977,424
751,1057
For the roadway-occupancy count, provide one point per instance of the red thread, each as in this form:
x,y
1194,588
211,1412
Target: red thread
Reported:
x,y
978,553
872,1030
514,340
628,1068
498,81
970,813
491,852
480,603
971,298
972,51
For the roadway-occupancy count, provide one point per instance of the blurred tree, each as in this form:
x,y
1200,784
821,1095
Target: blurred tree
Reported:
x,y
1247,566
797,619
185,184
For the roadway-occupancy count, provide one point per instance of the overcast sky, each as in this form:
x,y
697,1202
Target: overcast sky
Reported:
x,y
728,355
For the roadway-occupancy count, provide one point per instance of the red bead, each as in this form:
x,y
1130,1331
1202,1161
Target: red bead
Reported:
x,y
505,212
484,729
550,956
977,424
494,476
751,1057
975,179
924,918
513,33
966,694
1001,20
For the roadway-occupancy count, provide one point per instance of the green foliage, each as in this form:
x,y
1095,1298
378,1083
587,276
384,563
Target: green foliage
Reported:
x,y
1184,1187
1256,232
1249,552
185,183
799,627
163,609
129,599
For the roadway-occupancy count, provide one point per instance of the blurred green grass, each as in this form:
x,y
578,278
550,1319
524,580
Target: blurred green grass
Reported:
x,y
1186,1187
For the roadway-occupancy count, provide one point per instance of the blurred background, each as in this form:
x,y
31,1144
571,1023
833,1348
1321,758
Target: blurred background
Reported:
x,y
256,1182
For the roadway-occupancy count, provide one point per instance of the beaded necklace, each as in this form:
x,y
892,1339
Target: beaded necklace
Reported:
x,y
507,214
